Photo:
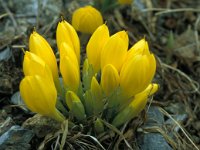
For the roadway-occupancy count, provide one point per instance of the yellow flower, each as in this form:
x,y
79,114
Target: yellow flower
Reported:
x,y
115,50
67,34
70,73
137,72
86,19
40,96
136,106
39,46
37,65
125,1
95,45
109,79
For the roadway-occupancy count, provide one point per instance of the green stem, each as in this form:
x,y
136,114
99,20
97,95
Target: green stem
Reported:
x,y
58,116
58,86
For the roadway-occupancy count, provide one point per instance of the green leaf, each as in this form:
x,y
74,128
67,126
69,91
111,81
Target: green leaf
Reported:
x,y
78,110
87,77
89,103
98,126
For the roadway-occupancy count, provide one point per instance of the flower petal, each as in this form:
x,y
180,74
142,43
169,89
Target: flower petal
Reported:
x,y
115,50
109,79
95,45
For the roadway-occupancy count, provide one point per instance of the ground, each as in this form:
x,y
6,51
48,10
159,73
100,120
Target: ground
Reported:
x,y
172,29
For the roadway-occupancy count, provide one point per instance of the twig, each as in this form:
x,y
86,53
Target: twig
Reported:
x,y
196,87
113,128
164,10
10,14
18,46
57,143
177,10
3,15
187,136
194,84
196,34
64,137
95,140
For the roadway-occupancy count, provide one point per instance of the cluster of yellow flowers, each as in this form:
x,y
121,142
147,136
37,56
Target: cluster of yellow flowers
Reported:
x,y
113,85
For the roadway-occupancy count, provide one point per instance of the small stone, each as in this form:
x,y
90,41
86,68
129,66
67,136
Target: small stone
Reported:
x,y
5,125
154,116
41,125
153,141
16,138
17,100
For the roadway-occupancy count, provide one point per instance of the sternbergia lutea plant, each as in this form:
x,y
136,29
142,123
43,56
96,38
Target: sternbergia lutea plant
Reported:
x,y
114,84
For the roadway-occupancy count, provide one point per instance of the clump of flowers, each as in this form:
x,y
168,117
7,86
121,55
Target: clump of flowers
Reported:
x,y
114,84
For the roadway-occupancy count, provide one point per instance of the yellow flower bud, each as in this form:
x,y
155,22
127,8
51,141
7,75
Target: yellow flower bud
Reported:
x,y
75,105
95,45
39,46
136,106
66,50
137,73
125,1
115,50
40,96
109,79
70,73
86,19
37,65
65,33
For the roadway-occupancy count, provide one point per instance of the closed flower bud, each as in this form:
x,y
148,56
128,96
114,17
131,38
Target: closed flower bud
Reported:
x,y
70,73
109,79
115,50
95,45
40,96
39,46
75,105
125,1
136,106
65,33
137,73
37,65
66,50
86,19
98,126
